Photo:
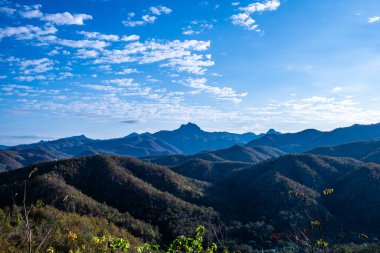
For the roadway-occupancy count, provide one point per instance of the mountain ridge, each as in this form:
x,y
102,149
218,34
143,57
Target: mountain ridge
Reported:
x,y
187,139
311,138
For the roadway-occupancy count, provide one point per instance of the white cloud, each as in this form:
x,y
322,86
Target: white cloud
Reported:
x,y
99,36
130,37
64,75
45,36
199,85
158,10
196,27
328,109
336,89
268,5
30,78
316,99
123,82
85,54
176,54
147,19
105,68
36,66
105,88
10,87
126,71
27,32
65,18
111,105
155,51
31,11
244,18
7,10
95,44
189,31
194,64
53,52
44,77
374,19
235,3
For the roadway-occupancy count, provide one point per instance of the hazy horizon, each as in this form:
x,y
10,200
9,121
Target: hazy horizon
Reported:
x,y
17,140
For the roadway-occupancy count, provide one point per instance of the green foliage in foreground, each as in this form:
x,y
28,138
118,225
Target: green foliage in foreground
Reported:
x,y
55,231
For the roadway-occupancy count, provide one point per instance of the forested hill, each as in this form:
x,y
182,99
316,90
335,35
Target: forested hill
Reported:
x,y
153,201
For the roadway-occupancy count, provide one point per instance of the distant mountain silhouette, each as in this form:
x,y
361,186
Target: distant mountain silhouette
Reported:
x,y
188,139
311,138
4,147
272,131
62,144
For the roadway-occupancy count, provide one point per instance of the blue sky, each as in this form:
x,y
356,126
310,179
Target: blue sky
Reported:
x,y
106,68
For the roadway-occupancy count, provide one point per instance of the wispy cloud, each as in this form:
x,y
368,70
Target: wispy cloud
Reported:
x,y
7,10
99,36
200,85
176,54
27,32
336,89
97,87
65,18
158,10
127,71
148,18
86,54
195,64
36,66
123,82
132,37
96,44
244,17
197,27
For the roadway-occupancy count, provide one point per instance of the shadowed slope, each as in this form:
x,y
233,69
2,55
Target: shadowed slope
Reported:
x,y
128,185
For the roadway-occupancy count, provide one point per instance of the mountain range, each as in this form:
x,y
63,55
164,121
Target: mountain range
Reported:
x,y
249,190
308,139
188,139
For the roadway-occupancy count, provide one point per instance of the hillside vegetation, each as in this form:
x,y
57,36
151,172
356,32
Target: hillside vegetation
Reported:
x,y
237,204
368,151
